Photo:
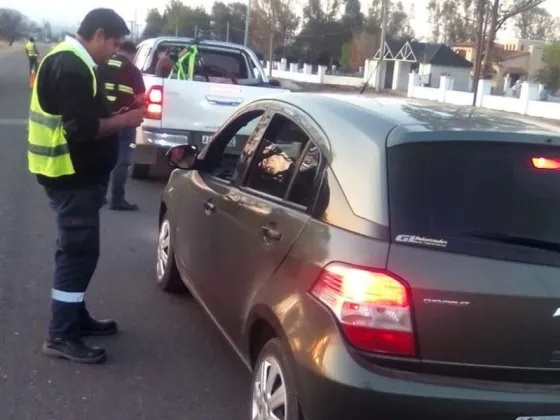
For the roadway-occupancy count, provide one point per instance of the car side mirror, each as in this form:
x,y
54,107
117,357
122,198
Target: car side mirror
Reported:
x,y
182,156
274,82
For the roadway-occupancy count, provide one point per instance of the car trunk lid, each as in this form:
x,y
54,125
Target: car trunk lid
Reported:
x,y
476,233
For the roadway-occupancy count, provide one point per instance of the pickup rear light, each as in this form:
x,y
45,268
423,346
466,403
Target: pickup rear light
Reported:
x,y
372,307
154,103
546,163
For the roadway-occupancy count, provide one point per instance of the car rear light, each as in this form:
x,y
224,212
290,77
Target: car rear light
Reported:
x,y
372,306
546,163
154,103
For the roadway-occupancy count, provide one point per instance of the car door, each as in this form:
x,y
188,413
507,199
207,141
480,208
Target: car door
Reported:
x,y
199,222
258,221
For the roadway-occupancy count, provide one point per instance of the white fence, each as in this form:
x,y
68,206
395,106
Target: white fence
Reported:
x,y
291,71
526,104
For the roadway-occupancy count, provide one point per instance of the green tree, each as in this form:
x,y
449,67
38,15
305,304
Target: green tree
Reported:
x,y
452,21
549,74
536,23
154,24
229,19
182,20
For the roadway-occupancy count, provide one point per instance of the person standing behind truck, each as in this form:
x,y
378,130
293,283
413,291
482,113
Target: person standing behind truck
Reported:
x,y
125,90
32,55
72,149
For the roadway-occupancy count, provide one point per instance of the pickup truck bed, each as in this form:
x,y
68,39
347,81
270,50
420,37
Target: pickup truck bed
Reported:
x,y
183,111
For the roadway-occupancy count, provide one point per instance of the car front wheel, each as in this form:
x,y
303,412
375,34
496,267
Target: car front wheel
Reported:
x,y
273,393
167,274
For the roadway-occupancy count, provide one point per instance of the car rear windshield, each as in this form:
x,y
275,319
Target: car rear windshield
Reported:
x,y
491,199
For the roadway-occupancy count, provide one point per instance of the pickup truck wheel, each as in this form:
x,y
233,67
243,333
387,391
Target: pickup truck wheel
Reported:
x,y
167,274
140,171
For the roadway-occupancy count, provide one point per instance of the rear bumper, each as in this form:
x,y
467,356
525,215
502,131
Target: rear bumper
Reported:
x,y
336,383
153,143
396,399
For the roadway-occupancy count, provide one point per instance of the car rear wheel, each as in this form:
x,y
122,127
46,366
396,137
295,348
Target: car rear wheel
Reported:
x,y
167,274
273,393
140,171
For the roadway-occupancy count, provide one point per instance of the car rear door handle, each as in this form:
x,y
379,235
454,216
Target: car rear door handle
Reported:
x,y
209,208
269,233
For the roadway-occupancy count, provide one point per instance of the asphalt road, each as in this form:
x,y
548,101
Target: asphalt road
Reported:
x,y
168,363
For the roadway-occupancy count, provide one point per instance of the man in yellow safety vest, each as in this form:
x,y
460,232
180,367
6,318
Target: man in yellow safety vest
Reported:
x,y
72,149
32,54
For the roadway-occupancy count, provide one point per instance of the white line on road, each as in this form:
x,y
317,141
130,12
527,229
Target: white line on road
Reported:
x,y
13,121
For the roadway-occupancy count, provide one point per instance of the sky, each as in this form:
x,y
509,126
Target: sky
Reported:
x,y
69,12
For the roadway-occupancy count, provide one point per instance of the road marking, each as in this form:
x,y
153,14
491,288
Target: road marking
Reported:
x,y
14,121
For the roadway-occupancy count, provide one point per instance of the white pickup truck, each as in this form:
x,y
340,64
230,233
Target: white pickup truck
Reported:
x,y
181,111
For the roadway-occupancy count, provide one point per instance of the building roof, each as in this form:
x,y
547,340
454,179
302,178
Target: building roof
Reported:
x,y
427,53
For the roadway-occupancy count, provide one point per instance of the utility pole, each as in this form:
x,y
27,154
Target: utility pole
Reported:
x,y
380,68
480,31
195,30
227,32
135,30
247,24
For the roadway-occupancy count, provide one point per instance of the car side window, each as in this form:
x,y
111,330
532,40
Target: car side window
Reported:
x,y
306,180
276,159
141,55
225,149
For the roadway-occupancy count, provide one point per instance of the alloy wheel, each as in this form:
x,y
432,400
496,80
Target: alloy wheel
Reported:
x,y
163,249
269,392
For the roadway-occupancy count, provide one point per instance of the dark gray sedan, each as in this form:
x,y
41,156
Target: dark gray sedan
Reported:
x,y
375,259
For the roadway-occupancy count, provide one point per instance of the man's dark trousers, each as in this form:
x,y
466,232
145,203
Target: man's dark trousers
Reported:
x,y
120,173
77,253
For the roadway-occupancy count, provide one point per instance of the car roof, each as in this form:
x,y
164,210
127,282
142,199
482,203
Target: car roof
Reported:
x,y
360,128
187,40
412,115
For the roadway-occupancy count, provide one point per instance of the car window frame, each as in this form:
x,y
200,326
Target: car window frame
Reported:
x,y
288,113
219,139
139,60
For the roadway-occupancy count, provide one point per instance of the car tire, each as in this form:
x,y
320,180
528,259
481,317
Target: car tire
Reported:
x,y
274,359
167,274
140,171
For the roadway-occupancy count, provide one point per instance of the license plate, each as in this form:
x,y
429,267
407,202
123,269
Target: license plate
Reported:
x,y
206,140
539,418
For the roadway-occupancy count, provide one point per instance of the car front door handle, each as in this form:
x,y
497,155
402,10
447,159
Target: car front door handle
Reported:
x,y
270,233
209,208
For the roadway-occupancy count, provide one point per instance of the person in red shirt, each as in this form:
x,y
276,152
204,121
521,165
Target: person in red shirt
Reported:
x,y
164,64
124,88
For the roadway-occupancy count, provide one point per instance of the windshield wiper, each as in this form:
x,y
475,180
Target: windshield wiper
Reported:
x,y
516,240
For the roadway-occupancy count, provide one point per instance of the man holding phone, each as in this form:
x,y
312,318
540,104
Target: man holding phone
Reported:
x,y
124,87
72,148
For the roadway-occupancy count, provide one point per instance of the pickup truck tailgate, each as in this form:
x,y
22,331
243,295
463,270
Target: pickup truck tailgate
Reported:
x,y
202,106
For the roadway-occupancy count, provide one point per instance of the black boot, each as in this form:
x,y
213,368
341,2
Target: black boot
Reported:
x,y
123,206
91,326
74,349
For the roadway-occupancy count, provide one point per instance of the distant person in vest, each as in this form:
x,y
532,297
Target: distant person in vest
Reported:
x,y
32,54
72,149
125,90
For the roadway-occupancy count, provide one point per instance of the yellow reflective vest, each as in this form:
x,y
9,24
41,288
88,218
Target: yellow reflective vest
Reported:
x,y
30,49
48,152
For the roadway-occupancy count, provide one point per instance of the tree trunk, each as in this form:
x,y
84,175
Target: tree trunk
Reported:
x,y
490,38
479,40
